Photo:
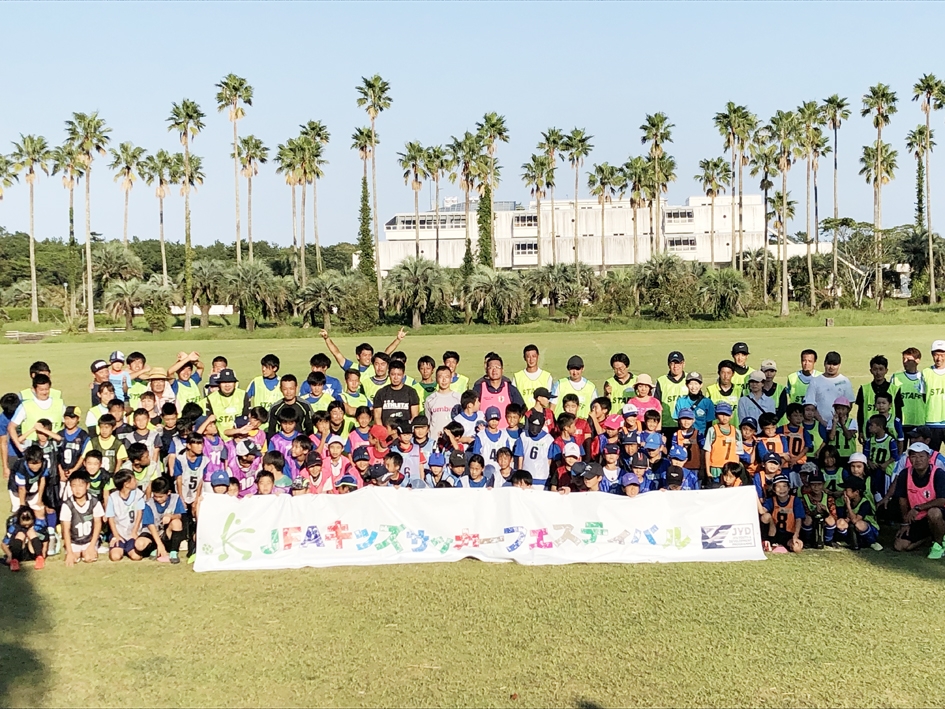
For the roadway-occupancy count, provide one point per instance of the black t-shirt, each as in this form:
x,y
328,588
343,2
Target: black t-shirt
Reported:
x,y
395,403
921,481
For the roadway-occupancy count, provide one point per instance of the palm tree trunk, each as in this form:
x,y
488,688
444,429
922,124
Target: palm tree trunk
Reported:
x,y
491,201
836,216
554,246
295,238
377,248
236,189
416,319
712,232
657,221
436,181
877,216
785,311
205,315
188,249
249,216
89,302
416,221
326,320
636,239
741,218
72,311
302,268
816,213
576,259
810,237
764,255
538,224
124,233
129,317
732,213
161,236
466,209
603,260
34,294
318,245
928,210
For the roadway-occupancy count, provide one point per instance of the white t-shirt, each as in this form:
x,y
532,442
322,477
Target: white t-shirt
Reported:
x,y
439,410
824,390
125,512
97,511
19,416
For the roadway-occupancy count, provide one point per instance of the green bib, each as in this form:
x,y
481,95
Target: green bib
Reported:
x,y
797,387
526,385
670,391
913,398
620,394
262,396
934,396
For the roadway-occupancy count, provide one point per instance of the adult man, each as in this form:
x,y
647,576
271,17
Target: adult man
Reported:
x,y
289,388
157,383
320,362
866,394
441,405
379,377
911,389
575,383
40,405
724,390
797,382
670,387
921,493
619,388
363,352
39,367
755,402
396,401
830,386
742,370
460,382
934,380
497,391
771,388
532,377
228,402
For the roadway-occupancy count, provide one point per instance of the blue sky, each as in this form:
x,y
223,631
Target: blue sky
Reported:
x,y
601,66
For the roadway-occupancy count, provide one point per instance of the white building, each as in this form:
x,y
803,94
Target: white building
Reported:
x,y
686,231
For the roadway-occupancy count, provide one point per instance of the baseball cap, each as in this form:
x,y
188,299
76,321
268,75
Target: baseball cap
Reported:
x,y
675,356
611,448
678,453
72,411
809,468
379,432
334,439
781,478
694,377
857,458
639,461
629,479
535,419
219,477
614,421
300,484
652,443
938,346
116,356
773,458
644,379
227,376
627,439
749,422
757,376
420,420
769,365
377,471
593,470
213,380
457,459
402,427
244,448
920,432
575,362
571,450
816,477
313,459
241,421
360,453
542,392
740,348
854,483
492,414
577,470
723,408
98,365
347,481
629,410
842,401
674,476
919,447
436,459
687,413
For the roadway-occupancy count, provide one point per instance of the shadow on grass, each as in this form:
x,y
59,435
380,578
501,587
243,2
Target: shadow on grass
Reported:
x,y
582,703
23,674
911,563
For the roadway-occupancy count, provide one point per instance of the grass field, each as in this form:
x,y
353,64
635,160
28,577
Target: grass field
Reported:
x,y
821,629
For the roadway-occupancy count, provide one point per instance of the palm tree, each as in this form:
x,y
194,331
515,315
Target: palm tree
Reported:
x,y
574,148
657,131
67,160
437,164
746,129
112,262
251,153
497,294
784,130
783,209
731,124
819,146
122,297
125,161
209,277
412,163
604,182
160,170
809,120
492,129
836,111
374,97
187,119
287,164
250,286
536,175
90,135
724,292
30,153
464,155
7,174
635,172
417,284
764,162
232,91
917,141
364,142
929,90
551,142
716,175
323,295
880,103
318,132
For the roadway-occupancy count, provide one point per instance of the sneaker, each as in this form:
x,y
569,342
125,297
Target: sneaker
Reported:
x,y
191,559
936,552
103,548
14,565
54,544
876,546
766,546
833,546
40,563
175,559
164,559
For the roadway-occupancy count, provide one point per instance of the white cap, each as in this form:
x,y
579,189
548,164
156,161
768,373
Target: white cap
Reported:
x,y
938,346
920,447
857,458
572,449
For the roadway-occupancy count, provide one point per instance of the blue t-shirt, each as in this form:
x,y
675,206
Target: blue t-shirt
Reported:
x,y
11,449
148,514
332,387
799,513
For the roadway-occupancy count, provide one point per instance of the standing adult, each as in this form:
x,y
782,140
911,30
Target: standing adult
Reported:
x,y
575,383
289,388
755,402
934,379
920,489
227,403
619,388
824,390
797,382
443,404
670,387
742,370
496,390
396,401
39,405
532,377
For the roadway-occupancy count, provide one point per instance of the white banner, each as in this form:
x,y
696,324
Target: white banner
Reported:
x,y
392,526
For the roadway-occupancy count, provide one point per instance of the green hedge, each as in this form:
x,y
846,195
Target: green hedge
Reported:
x,y
45,314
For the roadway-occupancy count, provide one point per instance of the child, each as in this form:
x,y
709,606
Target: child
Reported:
x,y
264,390
148,402
338,465
112,450
911,390
117,376
722,445
860,516
142,431
881,453
673,479
346,484
186,385
317,397
570,456
434,472
690,439
590,478
725,390
457,469
319,482
820,519
274,463
213,444
377,475
734,475
393,462
72,443
829,463
652,423
817,431
282,440
301,447
566,426
631,421
544,408
117,409
571,405
535,449
764,478
100,480
521,479
611,426
162,522
679,458
753,450
106,393
610,467
123,513
475,473
701,406
857,467
378,440
773,441
657,465
244,465
842,430
783,514
24,541
265,484
632,481
361,459
513,421
27,483
893,425
797,441
145,468
82,516
469,417
492,438
643,401
359,436
188,474
352,397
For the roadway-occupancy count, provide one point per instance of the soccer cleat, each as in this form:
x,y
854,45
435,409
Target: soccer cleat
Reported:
x,y
876,546
191,559
936,552
175,559
14,565
54,544
41,562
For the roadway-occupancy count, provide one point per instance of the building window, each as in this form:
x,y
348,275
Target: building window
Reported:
x,y
525,220
681,243
679,216
526,248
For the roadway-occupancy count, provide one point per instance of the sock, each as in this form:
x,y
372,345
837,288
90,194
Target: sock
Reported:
x,y
829,531
173,554
175,540
52,519
806,530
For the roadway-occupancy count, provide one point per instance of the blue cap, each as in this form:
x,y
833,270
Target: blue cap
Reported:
x,y
773,458
241,421
781,479
686,414
723,408
678,453
213,380
652,443
611,448
749,422
492,414
201,420
347,480
360,453
219,477
437,459
629,479
627,439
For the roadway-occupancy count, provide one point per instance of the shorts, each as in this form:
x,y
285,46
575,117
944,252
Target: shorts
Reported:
x,y
126,546
34,501
152,545
919,530
782,537
79,548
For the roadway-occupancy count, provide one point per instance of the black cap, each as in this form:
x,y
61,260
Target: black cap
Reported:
x,y
639,460
312,459
674,476
98,365
675,356
404,427
457,459
921,432
817,477
542,391
575,362
740,348
375,472
593,470
535,419
227,376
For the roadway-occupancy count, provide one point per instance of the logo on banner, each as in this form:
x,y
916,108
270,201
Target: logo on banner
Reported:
x,y
728,536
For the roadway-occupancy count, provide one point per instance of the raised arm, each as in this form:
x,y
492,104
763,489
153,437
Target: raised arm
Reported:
x,y
333,348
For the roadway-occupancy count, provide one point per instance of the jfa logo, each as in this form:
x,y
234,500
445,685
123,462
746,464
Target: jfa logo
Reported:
x,y
728,536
